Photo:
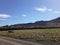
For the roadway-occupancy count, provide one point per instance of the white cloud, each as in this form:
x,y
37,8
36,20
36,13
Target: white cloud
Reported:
x,y
24,15
4,16
45,9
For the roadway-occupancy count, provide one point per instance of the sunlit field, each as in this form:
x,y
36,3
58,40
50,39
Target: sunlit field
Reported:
x,y
34,34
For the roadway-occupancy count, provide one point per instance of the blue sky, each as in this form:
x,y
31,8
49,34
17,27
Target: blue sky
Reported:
x,y
25,11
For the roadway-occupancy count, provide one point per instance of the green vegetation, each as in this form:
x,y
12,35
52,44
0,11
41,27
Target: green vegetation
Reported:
x,y
34,34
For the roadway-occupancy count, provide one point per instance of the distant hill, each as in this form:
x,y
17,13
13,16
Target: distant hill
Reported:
x,y
50,23
54,23
57,20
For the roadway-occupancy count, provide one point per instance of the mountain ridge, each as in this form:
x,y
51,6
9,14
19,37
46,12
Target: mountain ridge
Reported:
x,y
50,23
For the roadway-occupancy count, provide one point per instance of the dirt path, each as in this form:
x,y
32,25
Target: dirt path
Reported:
x,y
12,41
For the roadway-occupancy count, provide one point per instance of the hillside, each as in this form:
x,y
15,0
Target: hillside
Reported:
x,y
50,23
55,23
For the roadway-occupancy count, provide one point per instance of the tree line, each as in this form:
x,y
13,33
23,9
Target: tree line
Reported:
x,y
24,27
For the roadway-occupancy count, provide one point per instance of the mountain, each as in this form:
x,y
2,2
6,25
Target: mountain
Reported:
x,y
57,20
54,23
50,23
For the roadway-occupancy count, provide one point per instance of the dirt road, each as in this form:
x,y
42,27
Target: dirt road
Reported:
x,y
12,41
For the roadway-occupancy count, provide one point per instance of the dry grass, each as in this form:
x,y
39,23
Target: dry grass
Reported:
x,y
35,34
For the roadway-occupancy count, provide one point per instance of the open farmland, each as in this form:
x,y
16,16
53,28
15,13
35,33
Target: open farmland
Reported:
x,y
34,34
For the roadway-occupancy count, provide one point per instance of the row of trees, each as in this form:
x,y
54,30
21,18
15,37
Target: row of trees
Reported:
x,y
23,27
